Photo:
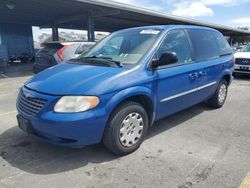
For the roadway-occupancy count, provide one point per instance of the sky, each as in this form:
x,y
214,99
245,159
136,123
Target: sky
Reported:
x,y
234,13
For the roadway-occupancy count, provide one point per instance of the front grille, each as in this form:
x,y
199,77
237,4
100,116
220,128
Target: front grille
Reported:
x,y
242,61
29,105
242,70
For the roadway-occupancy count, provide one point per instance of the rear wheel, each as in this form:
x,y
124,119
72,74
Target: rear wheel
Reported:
x,y
219,97
126,129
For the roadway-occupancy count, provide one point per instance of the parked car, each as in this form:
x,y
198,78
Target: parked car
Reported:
x,y
242,61
54,53
239,48
23,58
129,80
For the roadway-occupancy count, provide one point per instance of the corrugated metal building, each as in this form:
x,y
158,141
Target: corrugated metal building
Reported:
x,y
15,39
91,15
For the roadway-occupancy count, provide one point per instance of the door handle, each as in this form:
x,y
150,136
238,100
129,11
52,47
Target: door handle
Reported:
x,y
193,76
202,73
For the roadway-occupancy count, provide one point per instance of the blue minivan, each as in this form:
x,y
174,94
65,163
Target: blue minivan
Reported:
x,y
132,78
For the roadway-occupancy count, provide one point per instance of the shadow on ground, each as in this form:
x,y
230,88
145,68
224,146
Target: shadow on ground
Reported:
x,y
31,155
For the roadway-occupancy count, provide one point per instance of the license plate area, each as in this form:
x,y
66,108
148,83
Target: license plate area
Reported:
x,y
24,124
244,68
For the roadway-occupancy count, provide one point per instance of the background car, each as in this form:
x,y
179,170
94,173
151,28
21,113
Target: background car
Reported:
x,y
239,48
22,58
54,53
242,61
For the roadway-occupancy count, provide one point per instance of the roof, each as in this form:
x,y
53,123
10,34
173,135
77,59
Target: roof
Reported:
x,y
167,27
108,15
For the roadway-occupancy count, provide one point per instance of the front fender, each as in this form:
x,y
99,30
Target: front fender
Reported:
x,y
129,92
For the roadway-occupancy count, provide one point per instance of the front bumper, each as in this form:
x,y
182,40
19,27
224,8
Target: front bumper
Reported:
x,y
67,129
242,69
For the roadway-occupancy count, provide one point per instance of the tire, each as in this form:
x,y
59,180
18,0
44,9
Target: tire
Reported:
x,y
220,95
130,118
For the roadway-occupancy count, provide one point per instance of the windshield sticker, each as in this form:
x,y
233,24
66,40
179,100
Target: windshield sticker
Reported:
x,y
150,32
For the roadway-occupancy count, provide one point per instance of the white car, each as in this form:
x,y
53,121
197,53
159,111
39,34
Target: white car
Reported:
x,y
242,61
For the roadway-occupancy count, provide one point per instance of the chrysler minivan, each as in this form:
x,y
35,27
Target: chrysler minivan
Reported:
x,y
118,89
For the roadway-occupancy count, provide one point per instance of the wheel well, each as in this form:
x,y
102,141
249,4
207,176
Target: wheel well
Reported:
x,y
143,100
227,77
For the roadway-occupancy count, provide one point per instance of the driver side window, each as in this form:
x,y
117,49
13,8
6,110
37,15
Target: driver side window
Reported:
x,y
176,41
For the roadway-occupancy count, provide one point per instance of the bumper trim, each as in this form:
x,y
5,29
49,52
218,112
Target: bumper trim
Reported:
x,y
243,72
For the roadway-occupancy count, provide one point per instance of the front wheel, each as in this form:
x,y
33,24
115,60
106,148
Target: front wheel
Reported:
x,y
219,97
126,129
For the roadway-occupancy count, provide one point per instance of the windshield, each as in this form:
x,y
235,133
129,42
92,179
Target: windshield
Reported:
x,y
126,47
246,49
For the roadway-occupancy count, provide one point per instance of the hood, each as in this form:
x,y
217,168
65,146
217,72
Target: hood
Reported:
x,y
70,79
242,55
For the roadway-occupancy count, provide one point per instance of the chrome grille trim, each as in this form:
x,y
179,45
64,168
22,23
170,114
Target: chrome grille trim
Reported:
x,y
30,105
242,61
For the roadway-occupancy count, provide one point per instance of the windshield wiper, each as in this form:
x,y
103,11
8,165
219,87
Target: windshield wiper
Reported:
x,y
118,63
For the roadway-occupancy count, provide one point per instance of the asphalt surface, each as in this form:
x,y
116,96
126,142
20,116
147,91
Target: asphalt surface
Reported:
x,y
198,147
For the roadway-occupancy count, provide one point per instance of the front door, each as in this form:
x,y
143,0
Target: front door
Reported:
x,y
176,83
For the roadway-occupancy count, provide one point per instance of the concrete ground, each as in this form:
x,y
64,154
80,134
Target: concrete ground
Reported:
x,y
197,147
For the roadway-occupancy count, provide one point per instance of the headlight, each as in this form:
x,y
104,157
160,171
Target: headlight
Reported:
x,y
76,103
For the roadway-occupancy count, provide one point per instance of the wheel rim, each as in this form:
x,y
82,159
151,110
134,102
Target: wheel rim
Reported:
x,y
222,93
131,129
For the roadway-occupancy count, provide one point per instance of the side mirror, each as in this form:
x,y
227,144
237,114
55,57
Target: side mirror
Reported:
x,y
165,59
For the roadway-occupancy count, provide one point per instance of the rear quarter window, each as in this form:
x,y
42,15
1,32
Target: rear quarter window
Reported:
x,y
224,47
204,44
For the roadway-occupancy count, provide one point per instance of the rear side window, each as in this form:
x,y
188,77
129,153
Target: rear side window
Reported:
x,y
204,44
224,47
176,41
50,48
83,48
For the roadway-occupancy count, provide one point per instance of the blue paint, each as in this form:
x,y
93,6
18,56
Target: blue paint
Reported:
x,y
112,85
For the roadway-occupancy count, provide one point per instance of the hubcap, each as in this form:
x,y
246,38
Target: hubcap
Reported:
x,y
131,129
222,93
